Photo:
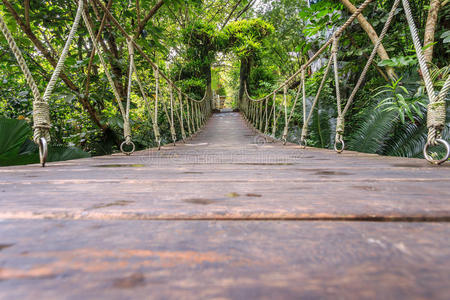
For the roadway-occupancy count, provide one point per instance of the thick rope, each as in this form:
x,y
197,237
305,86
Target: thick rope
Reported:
x,y
41,112
126,119
266,126
337,33
285,130
197,115
40,115
316,98
372,56
181,118
194,129
43,122
274,126
105,67
304,96
155,116
188,116
436,108
139,49
340,118
172,125
301,87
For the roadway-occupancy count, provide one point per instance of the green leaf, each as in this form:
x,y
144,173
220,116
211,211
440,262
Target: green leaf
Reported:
x,y
13,133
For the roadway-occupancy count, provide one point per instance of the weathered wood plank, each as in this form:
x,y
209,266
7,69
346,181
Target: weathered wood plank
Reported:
x,y
49,259
221,174
129,227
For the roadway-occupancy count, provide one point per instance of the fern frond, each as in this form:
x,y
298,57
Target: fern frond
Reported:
x,y
374,130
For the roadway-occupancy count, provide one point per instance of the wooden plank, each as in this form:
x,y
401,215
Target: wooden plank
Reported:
x,y
147,226
49,259
223,174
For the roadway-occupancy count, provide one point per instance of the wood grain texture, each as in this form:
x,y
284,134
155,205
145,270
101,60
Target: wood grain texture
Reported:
x,y
226,216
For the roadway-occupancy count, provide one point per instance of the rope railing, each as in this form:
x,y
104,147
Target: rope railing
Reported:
x,y
436,108
41,110
192,113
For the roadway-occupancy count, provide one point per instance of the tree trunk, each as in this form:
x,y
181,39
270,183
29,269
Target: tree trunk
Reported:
x,y
243,76
430,27
372,35
206,69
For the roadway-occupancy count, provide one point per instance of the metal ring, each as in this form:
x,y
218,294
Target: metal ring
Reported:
x,y
284,140
127,152
433,161
43,151
341,141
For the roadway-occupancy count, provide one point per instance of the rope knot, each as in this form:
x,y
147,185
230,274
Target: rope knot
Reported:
x,y
436,114
340,125
127,131
304,134
41,120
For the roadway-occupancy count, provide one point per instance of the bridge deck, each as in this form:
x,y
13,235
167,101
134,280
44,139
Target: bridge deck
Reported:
x,y
226,215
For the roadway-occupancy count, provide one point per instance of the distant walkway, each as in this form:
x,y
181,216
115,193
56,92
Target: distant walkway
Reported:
x,y
296,223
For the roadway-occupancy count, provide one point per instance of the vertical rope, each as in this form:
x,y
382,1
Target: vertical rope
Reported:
x,y
172,126
197,116
436,108
183,133
316,98
188,117
372,56
64,53
340,118
304,95
266,126
285,130
126,118
155,123
274,126
105,67
193,118
38,102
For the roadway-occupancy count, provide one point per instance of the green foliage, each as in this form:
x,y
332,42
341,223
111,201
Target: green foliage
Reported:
x,y
13,134
375,128
398,101
16,147
270,41
245,37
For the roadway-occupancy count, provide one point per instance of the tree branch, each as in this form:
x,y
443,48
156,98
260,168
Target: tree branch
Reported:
x,y
430,28
150,14
231,13
372,35
250,4
26,4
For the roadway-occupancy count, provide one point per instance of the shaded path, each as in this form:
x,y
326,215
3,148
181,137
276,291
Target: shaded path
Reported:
x,y
148,225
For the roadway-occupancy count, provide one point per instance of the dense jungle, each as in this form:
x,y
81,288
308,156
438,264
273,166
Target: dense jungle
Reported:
x,y
220,47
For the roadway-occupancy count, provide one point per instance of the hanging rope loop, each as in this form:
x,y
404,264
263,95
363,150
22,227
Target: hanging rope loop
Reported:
x,y
339,140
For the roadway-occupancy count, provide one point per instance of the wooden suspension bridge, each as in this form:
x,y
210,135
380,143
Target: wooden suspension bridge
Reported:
x,y
226,215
